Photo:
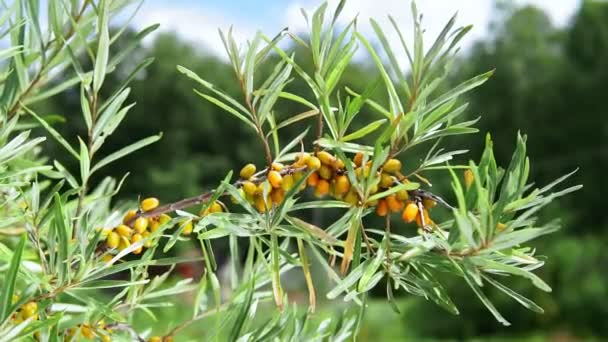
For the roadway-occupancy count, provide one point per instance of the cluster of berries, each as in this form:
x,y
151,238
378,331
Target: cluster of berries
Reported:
x,y
134,229
329,178
89,332
28,310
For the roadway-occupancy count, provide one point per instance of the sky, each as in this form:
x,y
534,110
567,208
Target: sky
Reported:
x,y
197,21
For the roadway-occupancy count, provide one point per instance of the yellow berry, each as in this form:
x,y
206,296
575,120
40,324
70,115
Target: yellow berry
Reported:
x,y
15,298
386,180
187,228
106,338
500,226
402,195
326,158
428,203
249,188
382,208
140,224
338,164
247,171
351,198
469,178
168,339
153,226
124,230
325,172
275,179
129,216
287,183
302,159
124,243
29,309
342,185
296,178
164,218
87,332
106,258
410,212
277,166
322,188
314,163
149,203
134,239
215,207
155,339
112,239
392,166
149,243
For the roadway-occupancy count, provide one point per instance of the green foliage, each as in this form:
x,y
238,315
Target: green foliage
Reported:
x,y
61,261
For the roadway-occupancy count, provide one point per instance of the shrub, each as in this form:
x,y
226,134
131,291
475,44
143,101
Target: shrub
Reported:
x,y
63,239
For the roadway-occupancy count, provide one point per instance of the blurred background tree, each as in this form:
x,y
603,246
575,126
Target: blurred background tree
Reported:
x,y
549,81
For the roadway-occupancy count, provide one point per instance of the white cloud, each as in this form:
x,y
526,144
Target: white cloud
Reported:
x,y
196,25
199,25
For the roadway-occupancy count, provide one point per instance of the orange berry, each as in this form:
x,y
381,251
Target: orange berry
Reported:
x,y
392,166
112,239
393,203
140,224
342,185
314,163
322,188
338,164
358,159
247,171
277,196
260,204
275,179
382,208
326,158
313,179
410,212
149,203
129,216
427,219
469,178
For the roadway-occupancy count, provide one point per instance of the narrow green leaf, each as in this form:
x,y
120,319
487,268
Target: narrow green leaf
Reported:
x,y
126,151
6,297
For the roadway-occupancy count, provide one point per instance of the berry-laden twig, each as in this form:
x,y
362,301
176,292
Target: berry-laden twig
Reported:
x,y
328,176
